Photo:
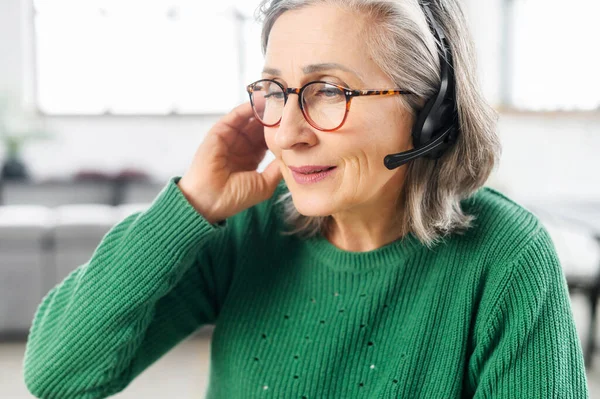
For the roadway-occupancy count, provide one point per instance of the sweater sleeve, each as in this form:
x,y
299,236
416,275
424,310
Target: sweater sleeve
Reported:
x,y
528,346
148,285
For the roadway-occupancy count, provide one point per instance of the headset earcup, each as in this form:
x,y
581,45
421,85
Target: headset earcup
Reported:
x,y
446,114
422,130
431,123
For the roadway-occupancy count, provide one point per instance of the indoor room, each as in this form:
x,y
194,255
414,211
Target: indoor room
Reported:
x,y
136,202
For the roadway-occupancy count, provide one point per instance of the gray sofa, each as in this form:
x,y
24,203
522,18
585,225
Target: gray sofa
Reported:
x,y
49,229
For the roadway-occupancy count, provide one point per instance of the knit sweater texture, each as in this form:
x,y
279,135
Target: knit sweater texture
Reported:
x,y
485,314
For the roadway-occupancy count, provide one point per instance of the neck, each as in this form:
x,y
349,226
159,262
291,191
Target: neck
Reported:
x,y
365,229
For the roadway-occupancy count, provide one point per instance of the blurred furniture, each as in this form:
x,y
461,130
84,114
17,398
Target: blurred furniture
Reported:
x,y
55,193
48,229
24,263
575,231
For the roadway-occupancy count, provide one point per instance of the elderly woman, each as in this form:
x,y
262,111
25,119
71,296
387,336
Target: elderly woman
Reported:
x,y
366,261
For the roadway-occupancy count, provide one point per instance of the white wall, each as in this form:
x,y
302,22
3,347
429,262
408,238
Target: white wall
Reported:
x,y
11,46
545,156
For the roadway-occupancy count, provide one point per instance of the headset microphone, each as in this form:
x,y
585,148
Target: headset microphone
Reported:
x,y
393,161
436,125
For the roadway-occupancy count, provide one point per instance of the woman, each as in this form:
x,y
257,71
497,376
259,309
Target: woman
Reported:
x,y
343,270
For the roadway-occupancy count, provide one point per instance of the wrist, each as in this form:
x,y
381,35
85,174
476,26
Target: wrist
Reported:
x,y
199,205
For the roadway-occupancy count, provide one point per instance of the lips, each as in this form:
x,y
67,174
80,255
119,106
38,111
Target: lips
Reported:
x,y
310,169
310,174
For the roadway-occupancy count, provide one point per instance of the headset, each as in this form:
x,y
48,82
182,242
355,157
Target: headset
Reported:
x,y
436,127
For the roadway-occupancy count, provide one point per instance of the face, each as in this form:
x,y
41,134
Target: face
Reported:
x,y
301,42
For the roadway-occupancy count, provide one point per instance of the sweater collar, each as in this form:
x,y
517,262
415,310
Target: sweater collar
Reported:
x,y
390,255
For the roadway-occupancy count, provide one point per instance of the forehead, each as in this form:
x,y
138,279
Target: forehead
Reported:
x,y
317,33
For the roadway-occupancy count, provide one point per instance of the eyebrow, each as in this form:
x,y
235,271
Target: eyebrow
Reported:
x,y
327,66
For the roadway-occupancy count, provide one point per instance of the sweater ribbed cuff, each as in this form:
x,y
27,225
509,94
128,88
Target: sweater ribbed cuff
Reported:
x,y
176,219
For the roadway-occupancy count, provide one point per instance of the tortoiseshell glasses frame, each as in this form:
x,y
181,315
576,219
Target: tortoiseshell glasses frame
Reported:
x,y
348,93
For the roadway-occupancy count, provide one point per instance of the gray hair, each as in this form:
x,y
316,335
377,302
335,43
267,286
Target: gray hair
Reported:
x,y
404,47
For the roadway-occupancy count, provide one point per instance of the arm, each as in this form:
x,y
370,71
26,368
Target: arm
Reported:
x,y
527,346
148,285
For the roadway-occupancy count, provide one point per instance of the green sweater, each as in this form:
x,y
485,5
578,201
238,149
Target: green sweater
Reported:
x,y
484,315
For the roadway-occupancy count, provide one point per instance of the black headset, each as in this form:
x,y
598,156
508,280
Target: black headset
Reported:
x,y
436,127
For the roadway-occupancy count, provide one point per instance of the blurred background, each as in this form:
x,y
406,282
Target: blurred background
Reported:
x,y
102,101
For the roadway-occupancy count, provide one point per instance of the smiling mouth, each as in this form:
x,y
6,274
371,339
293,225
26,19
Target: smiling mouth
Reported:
x,y
311,169
317,171
310,174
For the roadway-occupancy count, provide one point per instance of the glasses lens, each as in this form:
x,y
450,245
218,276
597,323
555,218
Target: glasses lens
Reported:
x,y
268,101
325,105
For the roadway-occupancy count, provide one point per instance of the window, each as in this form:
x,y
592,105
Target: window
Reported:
x,y
553,57
143,57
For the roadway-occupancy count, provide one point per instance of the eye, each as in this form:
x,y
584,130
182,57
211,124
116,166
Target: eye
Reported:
x,y
329,91
273,91
277,95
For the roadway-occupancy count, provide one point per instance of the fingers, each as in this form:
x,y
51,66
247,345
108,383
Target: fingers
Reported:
x,y
272,176
255,132
239,117
241,124
250,137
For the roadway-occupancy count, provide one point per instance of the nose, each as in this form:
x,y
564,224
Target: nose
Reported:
x,y
293,130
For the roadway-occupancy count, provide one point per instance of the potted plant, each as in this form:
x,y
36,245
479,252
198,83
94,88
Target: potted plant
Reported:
x,y
17,127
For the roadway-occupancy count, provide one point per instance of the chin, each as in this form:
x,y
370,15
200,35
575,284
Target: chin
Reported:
x,y
311,205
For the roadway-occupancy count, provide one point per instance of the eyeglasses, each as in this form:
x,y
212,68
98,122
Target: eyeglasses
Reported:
x,y
324,105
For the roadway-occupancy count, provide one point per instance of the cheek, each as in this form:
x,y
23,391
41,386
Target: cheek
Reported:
x,y
365,146
270,140
391,134
374,137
